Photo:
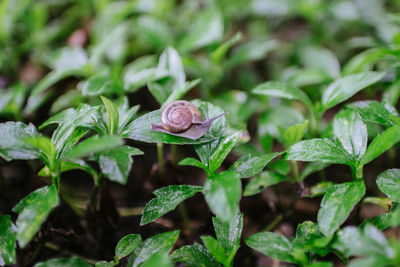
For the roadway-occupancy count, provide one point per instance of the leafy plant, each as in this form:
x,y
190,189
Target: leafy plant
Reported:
x,y
308,121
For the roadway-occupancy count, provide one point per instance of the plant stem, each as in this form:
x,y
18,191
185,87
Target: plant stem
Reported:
x,y
357,172
173,153
295,170
93,198
94,195
274,223
185,217
160,157
315,117
55,180
127,212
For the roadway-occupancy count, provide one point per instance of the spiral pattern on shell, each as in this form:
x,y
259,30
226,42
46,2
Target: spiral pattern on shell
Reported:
x,y
178,116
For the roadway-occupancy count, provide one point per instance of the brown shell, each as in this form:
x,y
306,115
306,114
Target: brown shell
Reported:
x,y
179,116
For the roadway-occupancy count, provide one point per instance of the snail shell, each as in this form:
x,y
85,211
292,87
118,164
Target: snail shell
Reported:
x,y
179,116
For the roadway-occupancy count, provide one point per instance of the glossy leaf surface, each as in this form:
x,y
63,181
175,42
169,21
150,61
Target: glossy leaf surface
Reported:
x,y
33,211
166,200
337,204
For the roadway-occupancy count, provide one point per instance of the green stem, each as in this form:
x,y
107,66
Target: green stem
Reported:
x,y
357,172
315,118
274,223
185,216
94,195
160,157
295,170
173,153
55,180
314,124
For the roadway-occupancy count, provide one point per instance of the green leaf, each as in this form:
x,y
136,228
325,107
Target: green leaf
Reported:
x,y
180,91
167,198
112,115
336,205
134,79
373,111
312,168
222,192
273,245
64,262
276,120
116,164
98,84
105,264
140,130
158,259
384,202
251,51
381,143
126,245
294,133
172,63
366,240
69,62
221,51
105,46
322,150
33,211
224,147
370,262
365,60
7,241
68,58
207,28
153,32
389,219
392,94
229,233
248,166
212,154
78,164
68,121
44,145
310,238
162,243
345,87
261,182
12,145
214,248
389,183
351,131
320,189
126,115
282,90
192,162
195,255
321,264
327,61
94,144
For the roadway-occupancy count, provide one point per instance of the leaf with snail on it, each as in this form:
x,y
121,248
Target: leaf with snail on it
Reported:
x,y
140,129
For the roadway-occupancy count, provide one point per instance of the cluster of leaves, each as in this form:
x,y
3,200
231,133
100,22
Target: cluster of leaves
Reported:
x,y
88,86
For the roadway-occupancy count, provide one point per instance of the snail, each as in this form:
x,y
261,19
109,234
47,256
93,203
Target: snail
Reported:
x,y
182,118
